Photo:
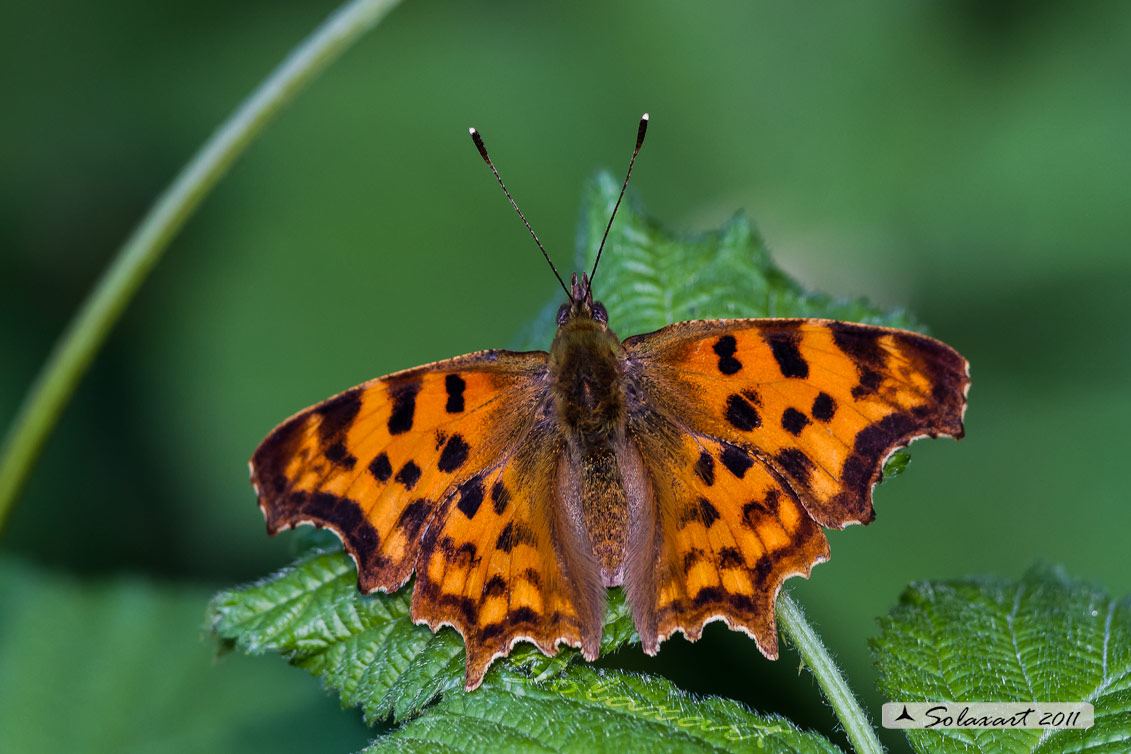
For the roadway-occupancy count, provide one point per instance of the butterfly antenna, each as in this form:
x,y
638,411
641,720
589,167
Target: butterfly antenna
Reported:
x,y
483,152
639,141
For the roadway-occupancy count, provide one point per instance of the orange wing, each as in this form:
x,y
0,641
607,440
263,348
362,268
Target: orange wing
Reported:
x,y
728,532
506,562
752,433
446,469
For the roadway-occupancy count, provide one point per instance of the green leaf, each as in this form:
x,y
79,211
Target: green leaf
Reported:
x,y
118,665
366,647
896,464
636,713
1041,639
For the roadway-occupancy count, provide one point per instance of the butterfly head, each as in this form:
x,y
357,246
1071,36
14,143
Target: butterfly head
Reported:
x,y
581,304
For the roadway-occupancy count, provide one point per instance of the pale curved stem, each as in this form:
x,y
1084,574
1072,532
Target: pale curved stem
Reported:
x,y
828,675
94,320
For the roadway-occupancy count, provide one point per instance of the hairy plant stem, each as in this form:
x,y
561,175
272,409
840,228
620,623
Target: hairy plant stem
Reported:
x,y
820,662
77,346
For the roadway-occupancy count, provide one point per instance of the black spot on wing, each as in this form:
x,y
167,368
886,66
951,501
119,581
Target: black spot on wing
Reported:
x,y
708,512
499,497
725,347
337,453
523,614
705,468
338,414
708,595
409,475
869,380
713,596
860,342
495,586
943,392
364,543
495,630
322,505
750,513
786,353
461,604
531,576
506,540
741,414
404,407
380,468
755,510
795,463
824,407
514,534
454,385
414,515
736,460
691,557
731,558
467,554
762,570
793,421
463,555
454,454
471,497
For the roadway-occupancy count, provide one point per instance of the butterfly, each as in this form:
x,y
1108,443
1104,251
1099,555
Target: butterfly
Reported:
x,y
695,466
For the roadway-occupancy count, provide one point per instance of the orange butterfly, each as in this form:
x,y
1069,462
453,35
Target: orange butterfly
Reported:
x,y
694,465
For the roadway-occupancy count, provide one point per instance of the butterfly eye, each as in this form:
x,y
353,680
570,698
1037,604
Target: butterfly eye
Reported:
x,y
599,313
563,314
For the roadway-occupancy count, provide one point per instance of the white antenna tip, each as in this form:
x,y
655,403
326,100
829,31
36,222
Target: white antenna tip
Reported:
x,y
472,131
644,116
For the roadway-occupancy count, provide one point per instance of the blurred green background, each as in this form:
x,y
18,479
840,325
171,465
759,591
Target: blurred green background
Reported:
x,y
966,160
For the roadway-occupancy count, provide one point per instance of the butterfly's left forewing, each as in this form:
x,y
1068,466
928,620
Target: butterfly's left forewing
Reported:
x,y
754,432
